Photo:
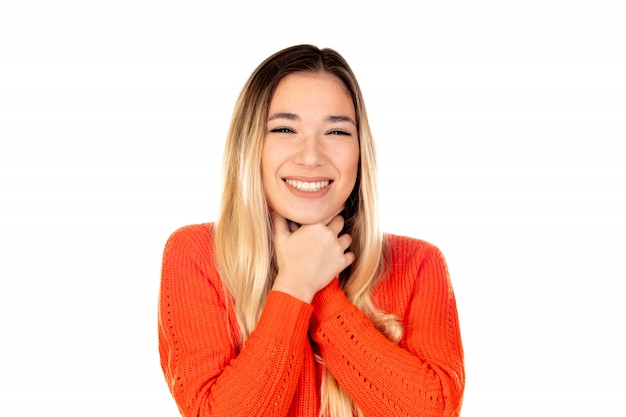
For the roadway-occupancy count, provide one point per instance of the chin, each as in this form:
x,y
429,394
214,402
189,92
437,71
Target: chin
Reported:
x,y
303,219
313,218
309,215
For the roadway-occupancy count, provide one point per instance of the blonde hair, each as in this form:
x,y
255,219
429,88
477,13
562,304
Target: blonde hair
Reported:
x,y
243,236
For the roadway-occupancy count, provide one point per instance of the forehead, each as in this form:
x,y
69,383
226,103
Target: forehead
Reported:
x,y
312,91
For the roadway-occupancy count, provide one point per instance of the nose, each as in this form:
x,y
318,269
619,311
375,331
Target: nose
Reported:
x,y
310,153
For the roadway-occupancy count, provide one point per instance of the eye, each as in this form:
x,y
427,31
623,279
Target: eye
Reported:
x,y
339,132
282,130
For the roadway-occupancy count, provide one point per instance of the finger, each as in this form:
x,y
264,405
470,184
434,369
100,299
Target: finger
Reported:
x,y
345,241
349,257
336,225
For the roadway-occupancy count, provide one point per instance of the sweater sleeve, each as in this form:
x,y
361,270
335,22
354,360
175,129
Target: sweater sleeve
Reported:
x,y
423,374
205,373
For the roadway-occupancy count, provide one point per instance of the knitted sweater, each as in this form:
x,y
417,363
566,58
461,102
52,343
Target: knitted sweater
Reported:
x,y
275,373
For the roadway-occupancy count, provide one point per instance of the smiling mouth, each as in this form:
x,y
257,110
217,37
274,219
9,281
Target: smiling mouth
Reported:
x,y
308,186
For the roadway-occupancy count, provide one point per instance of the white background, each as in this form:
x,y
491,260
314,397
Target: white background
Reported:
x,y
500,126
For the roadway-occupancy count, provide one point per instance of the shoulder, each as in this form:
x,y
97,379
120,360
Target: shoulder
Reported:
x,y
410,261
189,255
409,249
196,238
194,231
202,232
408,269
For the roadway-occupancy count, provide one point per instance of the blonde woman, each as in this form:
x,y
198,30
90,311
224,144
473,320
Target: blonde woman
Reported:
x,y
294,303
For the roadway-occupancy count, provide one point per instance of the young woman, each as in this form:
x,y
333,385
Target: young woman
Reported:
x,y
294,303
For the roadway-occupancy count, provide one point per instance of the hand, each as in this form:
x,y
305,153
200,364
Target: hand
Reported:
x,y
310,256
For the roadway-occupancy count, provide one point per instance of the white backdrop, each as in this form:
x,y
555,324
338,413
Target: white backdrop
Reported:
x,y
500,126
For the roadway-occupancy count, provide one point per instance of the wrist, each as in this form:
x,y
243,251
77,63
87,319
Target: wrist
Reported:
x,y
293,289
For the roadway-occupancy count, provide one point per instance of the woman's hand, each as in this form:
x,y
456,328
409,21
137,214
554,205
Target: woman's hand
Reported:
x,y
310,256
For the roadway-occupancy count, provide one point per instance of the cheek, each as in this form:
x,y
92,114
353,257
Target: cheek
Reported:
x,y
273,154
272,158
352,159
265,173
267,162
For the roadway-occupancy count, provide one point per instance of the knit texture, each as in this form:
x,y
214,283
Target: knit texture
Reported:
x,y
275,374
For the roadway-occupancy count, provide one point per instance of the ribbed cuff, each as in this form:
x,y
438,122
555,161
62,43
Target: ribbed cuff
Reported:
x,y
330,301
284,314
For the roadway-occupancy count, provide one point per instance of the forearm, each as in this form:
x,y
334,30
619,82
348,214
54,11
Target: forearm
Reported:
x,y
260,380
384,379
208,369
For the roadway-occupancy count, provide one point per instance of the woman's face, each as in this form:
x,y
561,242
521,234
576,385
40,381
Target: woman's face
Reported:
x,y
310,152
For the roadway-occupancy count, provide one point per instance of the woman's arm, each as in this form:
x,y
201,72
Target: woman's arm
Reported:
x,y
204,371
424,373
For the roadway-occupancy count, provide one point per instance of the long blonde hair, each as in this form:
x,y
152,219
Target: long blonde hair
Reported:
x,y
243,235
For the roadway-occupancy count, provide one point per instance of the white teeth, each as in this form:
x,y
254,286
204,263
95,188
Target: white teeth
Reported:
x,y
308,186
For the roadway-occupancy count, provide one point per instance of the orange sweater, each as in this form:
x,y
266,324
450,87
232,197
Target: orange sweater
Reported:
x,y
275,373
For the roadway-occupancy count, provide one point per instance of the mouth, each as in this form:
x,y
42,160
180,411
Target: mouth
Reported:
x,y
308,186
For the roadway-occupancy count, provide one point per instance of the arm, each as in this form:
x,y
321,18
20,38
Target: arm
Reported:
x,y
424,374
204,371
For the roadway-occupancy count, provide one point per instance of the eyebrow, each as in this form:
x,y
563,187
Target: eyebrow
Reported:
x,y
334,119
292,116
288,116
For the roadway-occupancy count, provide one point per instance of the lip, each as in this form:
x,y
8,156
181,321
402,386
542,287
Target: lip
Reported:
x,y
307,179
308,194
